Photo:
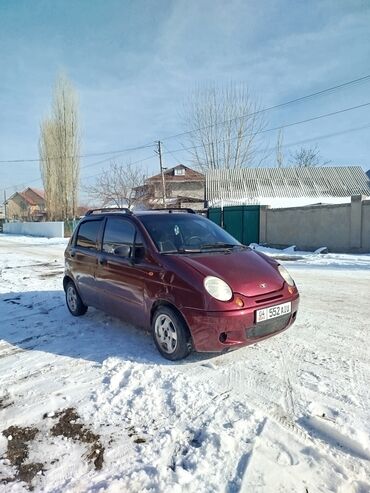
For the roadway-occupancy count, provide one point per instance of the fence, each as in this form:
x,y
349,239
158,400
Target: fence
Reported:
x,y
46,229
340,227
69,226
241,221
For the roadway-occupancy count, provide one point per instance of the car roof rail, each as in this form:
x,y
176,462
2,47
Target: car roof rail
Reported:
x,y
103,210
175,209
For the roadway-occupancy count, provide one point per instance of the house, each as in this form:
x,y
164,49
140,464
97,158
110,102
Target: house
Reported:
x,y
26,205
184,187
285,187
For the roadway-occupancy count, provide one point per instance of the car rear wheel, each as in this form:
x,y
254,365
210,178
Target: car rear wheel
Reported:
x,y
74,302
170,333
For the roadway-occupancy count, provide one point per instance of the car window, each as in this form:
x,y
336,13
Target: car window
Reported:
x,y
118,232
88,234
176,232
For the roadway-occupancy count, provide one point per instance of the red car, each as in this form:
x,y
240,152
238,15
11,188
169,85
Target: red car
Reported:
x,y
182,275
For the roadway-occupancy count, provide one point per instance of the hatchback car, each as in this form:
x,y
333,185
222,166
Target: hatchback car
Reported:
x,y
180,274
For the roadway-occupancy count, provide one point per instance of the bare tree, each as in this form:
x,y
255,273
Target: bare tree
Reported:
x,y
116,186
224,124
307,157
59,147
279,149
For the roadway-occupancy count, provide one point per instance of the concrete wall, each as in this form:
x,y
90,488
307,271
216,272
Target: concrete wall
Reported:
x,y
47,229
366,225
341,227
193,189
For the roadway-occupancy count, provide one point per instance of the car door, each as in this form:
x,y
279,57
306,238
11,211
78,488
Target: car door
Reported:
x,y
83,260
119,275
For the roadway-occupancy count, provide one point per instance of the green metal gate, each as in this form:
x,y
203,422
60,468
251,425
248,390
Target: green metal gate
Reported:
x,y
241,221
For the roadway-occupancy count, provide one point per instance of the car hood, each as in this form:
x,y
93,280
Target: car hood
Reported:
x,y
246,272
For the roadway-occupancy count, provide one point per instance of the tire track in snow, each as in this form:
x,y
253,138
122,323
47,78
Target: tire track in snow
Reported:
x,y
357,372
235,484
243,388
320,438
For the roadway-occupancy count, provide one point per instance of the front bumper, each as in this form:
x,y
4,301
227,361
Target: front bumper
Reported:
x,y
225,330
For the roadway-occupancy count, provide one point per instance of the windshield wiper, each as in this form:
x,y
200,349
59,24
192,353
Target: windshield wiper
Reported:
x,y
184,250
220,244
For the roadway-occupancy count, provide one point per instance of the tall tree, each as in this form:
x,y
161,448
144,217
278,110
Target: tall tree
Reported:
x,y
224,124
59,147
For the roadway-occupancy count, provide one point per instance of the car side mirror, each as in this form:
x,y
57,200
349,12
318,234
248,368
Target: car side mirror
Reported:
x,y
123,251
139,252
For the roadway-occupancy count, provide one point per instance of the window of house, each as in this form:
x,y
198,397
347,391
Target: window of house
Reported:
x,y
179,171
88,234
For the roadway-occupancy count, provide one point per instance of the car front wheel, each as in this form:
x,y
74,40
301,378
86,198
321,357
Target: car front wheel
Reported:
x,y
74,302
170,333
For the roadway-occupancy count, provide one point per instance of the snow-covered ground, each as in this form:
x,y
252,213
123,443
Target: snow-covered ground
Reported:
x,y
88,404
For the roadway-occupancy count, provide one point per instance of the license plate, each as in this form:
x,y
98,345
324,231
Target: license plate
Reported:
x,y
273,312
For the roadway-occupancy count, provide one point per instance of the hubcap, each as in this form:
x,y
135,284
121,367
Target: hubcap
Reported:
x,y
165,333
72,298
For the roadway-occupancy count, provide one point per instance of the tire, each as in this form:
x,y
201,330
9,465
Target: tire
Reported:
x,y
170,333
73,300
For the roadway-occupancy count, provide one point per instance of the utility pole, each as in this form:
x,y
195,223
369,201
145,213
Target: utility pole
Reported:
x,y
159,152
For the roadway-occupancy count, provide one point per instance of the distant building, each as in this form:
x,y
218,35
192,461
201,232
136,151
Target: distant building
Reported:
x,y
184,188
26,205
285,187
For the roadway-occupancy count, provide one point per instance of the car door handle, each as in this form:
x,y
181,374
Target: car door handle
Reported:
x,y
73,254
102,261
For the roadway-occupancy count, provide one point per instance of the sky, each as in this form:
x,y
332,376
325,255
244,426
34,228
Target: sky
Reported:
x,y
134,64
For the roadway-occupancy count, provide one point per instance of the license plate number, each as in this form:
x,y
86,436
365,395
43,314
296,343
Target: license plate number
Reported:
x,y
273,311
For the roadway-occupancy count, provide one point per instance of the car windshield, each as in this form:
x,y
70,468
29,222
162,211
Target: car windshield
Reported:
x,y
187,233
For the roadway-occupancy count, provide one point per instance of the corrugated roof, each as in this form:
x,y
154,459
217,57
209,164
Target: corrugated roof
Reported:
x,y
249,184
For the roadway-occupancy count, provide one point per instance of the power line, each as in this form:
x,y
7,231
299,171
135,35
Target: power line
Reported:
x,y
225,140
280,105
325,136
82,167
312,139
302,98
128,149
291,144
275,128
169,152
135,162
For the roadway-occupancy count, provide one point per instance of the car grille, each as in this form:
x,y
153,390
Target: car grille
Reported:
x,y
269,298
268,327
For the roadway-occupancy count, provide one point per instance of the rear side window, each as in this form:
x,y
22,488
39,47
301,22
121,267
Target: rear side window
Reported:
x,y
118,232
88,234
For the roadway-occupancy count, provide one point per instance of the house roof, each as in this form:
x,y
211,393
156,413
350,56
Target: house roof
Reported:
x,y
190,175
26,197
37,191
242,184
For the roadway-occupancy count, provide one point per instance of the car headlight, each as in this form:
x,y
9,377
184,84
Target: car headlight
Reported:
x,y
217,288
286,276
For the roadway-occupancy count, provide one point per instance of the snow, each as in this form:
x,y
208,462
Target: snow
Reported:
x,y
318,258
282,202
290,414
